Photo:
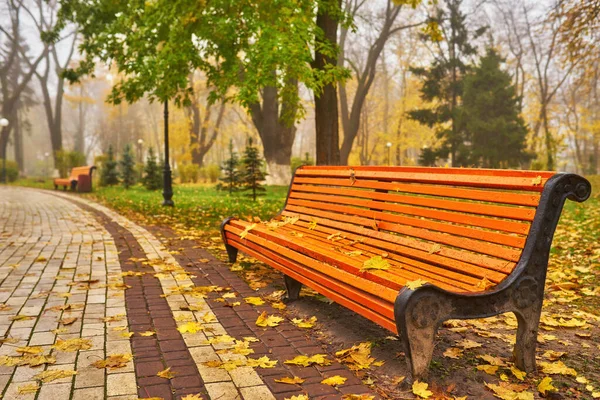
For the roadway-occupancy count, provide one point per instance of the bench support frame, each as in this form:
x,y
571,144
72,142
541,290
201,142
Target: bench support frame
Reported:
x,y
420,312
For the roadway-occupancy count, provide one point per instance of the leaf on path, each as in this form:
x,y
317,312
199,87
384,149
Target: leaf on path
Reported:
x,y
114,318
68,321
41,259
190,327
420,389
248,229
166,373
453,352
30,350
488,369
127,334
262,362
334,380
376,262
28,389
305,323
21,318
357,397
520,375
193,397
54,374
468,344
265,320
412,285
113,361
207,318
255,301
36,361
506,391
290,381
299,397
545,385
147,333
357,357
72,345
220,339
305,361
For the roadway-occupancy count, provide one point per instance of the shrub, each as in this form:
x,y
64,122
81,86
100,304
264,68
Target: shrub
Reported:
x,y
108,173
12,170
298,162
212,172
189,173
152,179
67,160
252,171
127,165
231,173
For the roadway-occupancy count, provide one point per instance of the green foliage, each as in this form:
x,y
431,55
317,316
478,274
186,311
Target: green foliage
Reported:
x,y
496,131
443,85
12,170
108,173
189,173
231,179
127,165
66,160
172,38
252,171
298,162
210,173
152,179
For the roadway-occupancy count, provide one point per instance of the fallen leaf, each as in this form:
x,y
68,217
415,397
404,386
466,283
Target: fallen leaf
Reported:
x,y
299,397
166,373
420,389
68,321
488,369
113,361
545,385
305,361
265,320
537,180
54,374
505,392
29,350
357,357
21,318
147,333
412,285
262,362
468,344
305,323
334,380
436,248
72,345
290,381
453,352
376,262
192,397
557,367
357,397
248,229
190,327
28,389
255,301
520,375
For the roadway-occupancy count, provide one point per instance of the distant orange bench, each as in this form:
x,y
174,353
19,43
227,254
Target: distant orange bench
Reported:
x,y
479,238
80,179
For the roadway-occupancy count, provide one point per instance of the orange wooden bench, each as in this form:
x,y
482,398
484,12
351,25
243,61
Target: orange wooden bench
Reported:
x,y
80,179
479,238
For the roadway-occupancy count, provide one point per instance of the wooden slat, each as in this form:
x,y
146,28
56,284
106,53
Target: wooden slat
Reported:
x,y
378,284
494,196
334,290
408,268
319,193
405,175
480,267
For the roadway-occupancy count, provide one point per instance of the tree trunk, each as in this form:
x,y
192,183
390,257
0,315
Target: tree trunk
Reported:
x,y
18,136
277,135
326,102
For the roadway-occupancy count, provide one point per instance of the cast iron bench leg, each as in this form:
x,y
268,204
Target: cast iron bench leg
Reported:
x,y
232,252
524,350
292,287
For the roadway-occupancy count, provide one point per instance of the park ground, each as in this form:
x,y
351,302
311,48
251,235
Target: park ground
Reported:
x,y
472,358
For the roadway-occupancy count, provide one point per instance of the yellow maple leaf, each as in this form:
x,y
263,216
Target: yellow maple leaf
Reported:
x,y
545,385
248,229
30,350
520,375
553,355
54,374
412,285
299,397
557,367
262,362
166,373
37,360
290,381
71,345
335,380
190,327
113,361
357,397
28,389
193,397
453,352
265,320
537,180
147,333
488,369
278,305
505,391
376,262
468,344
305,361
305,323
492,360
312,225
255,301
220,339
420,389
208,318
436,248
357,357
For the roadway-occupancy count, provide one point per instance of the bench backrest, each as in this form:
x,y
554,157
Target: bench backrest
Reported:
x,y
463,228
75,172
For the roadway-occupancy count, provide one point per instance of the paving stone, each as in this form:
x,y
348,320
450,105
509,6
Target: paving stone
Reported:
x,y
121,384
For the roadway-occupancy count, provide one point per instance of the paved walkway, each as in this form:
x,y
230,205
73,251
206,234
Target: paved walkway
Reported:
x,y
80,283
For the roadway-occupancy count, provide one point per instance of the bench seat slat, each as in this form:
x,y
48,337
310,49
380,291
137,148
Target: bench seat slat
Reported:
x,y
410,269
369,306
495,196
487,181
387,292
377,210
354,224
322,193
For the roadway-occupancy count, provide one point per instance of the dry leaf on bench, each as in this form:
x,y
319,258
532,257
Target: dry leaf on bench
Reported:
x,y
376,262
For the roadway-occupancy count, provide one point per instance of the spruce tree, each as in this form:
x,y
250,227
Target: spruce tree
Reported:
x,y
443,85
230,180
491,115
109,175
152,179
127,165
252,171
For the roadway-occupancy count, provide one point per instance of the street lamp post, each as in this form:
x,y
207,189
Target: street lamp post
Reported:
x,y
4,124
167,184
46,173
389,147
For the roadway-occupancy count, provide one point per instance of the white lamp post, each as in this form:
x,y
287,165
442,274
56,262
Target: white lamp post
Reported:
x,y
4,124
389,147
140,143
